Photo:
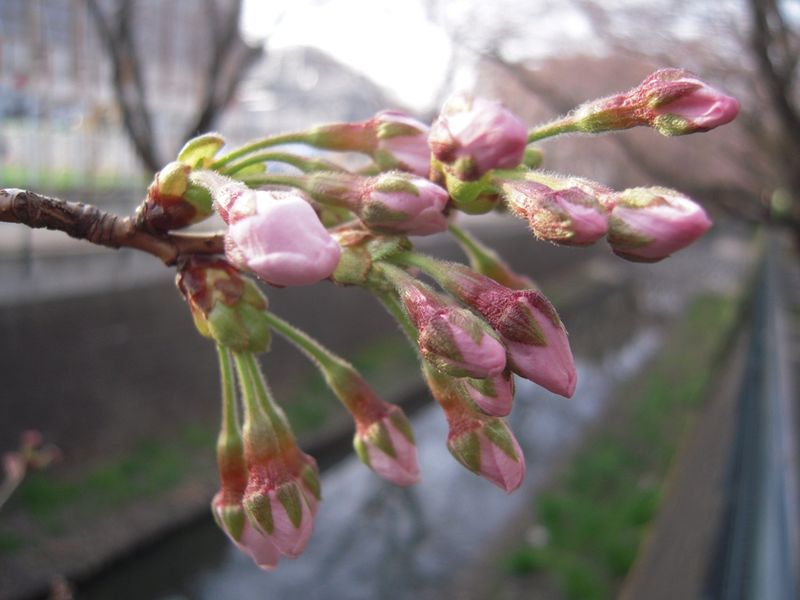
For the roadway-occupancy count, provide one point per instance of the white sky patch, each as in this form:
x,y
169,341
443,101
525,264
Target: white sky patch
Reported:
x,y
393,43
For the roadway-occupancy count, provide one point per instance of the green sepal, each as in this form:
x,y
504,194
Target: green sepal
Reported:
x,y
199,151
402,425
467,450
231,521
497,433
290,497
258,509
394,183
379,437
393,129
361,449
311,480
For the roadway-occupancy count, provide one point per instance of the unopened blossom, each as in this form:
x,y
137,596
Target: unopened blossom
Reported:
x,y
282,241
682,103
482,443
229,516
385,443
282,492
528,325
402,142
475,135
567,216
672,101
489,449
649,224
397,202
454,340
493,395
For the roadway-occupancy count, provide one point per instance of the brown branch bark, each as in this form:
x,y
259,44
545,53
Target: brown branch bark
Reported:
x,y
87,222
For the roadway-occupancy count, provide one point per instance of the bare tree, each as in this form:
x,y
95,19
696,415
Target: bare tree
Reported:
x,y
228,58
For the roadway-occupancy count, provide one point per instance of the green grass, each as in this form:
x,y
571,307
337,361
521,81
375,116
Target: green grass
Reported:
x,y
16,176
598,513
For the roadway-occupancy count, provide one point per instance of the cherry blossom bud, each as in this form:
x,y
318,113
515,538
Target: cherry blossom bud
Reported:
x,y
173,201
475,135
278,509
454,340
282,241
528,324
487,447
682,103
225,306
401,203
567,216
672,101
493,395
229,516
482,443
402,143
649,224
385,444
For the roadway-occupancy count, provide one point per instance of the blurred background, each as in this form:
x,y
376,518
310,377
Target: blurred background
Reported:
x,y
671,473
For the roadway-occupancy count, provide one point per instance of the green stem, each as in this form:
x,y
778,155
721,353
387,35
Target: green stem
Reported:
x,y
552,129
395,308
427,264
264,397
324,358
264,423
307,165
231,429
259,144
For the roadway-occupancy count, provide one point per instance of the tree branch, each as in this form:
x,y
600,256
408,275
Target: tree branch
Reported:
x,y
87,222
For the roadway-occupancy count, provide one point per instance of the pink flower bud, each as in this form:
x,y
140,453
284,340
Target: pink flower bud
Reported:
x,y
277,507
682,103
493,395
454,340
528,325
475,135
402,142
566,216
397,202
386,445
230,517
487,447
459,343
283,241
649,224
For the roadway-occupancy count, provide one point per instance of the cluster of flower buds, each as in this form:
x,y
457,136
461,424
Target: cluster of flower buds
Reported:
x,y
475,330
640,224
